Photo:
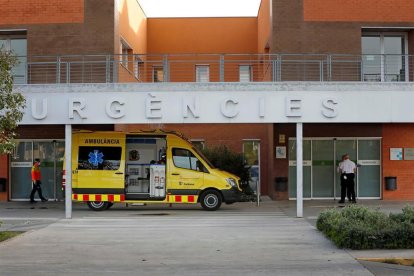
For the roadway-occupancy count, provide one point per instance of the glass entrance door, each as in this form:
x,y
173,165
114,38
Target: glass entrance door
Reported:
x,y
369,173
321,158
344,147
51,155
322,168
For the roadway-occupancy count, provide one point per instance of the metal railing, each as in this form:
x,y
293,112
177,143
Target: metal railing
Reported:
x,y
213,68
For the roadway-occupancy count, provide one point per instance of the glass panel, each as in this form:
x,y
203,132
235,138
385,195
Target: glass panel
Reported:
x,y
371,51
394,59
3,44
369,150
307,154
45,152
21,165
60,155
306,181
344,147
323,168
369,174
251,156
19,48
369,181
306,169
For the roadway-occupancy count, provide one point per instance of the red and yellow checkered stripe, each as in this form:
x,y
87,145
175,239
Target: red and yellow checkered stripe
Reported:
x,y
182,198
94,197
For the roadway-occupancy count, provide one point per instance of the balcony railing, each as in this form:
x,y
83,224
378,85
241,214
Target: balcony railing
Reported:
x,y
213,68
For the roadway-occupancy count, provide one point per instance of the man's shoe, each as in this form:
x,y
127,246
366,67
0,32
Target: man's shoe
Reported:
x,y
44,200
353,201
341,201
33,201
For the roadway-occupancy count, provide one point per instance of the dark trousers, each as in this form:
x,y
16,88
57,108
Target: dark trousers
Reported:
x,y
344,187
36,187
351,186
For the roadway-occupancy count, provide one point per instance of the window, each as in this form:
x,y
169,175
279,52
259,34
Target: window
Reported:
x,y
16,42
384,56
199,144
245,73
126,55
158,74
202,73
185,159
138,63
99,158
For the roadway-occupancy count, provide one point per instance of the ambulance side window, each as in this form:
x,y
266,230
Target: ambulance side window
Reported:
x,y
185,159
99,158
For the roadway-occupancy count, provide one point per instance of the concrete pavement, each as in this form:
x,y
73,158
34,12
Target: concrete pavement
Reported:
x,y
183,240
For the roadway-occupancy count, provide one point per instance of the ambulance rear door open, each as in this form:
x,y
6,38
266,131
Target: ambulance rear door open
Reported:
x,y
145,176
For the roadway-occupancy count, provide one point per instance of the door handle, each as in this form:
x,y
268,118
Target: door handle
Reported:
x,y
175,174
119,173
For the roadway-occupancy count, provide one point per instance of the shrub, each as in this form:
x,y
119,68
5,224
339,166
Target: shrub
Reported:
x,y
225,159
359,227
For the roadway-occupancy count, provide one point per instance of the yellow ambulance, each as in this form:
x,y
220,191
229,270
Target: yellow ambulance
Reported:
x,y
146,167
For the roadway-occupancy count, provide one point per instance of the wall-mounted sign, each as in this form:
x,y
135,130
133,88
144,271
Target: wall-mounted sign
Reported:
x,y
21,164
282,138
396,154
280,152
408,153
140,104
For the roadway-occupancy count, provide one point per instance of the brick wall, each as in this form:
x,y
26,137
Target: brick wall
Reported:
x,y
333,26
93,35
41,11
359,11
398,136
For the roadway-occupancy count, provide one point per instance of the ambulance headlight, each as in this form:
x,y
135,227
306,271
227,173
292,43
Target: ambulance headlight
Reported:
x,y
232,182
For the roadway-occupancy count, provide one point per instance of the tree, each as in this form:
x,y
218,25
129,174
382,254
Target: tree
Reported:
x,y
11,103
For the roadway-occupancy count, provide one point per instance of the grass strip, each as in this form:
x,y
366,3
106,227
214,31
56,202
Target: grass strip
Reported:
x,y
9,234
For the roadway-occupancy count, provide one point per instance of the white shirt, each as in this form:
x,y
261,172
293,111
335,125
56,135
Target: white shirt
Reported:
x,y
346,166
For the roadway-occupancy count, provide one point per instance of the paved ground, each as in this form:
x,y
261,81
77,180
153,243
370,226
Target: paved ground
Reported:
x,y
239,239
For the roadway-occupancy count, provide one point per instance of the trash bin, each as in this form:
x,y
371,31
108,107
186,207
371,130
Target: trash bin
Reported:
x,y
281,184
3,184
390,183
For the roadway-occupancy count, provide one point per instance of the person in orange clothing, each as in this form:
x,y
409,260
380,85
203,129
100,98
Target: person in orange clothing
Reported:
x,y
36,176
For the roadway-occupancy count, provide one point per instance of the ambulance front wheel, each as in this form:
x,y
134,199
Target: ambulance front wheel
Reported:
x,y
98,205
211,200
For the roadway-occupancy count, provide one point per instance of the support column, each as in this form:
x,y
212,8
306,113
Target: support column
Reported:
x,y
68,168
299,170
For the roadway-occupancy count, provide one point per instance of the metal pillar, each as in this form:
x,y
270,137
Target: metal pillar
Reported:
x,y
299,170
68,168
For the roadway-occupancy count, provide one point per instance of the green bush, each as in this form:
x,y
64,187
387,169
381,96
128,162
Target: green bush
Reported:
x,y
225,159
359,227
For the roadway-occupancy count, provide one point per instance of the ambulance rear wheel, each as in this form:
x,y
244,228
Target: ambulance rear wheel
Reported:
x,y
98,205
211,200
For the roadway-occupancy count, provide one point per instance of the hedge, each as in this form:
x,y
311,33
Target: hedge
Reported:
x,y
358,227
